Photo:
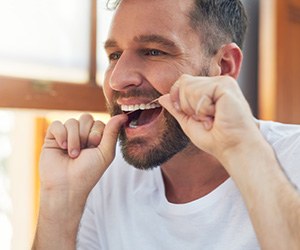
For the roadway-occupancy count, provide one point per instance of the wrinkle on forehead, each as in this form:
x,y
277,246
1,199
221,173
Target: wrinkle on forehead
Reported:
x,y
152,38
148,21
155,11
148,39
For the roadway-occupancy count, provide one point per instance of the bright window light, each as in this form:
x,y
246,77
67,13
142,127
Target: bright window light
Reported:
x,y
104,18
45,39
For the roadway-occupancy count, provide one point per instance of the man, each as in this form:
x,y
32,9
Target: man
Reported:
x,y
217,181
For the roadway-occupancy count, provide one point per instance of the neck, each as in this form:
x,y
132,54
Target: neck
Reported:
x,y
191,174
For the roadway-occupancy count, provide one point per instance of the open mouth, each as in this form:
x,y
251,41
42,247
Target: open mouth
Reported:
x,y
141,114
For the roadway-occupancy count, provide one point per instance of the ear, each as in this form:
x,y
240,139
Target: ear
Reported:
x,y
229,59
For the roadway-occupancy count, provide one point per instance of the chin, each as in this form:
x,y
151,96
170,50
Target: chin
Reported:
x,y
141,155
147,152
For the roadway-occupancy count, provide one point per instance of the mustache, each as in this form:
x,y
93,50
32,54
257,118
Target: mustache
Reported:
x,y
136,92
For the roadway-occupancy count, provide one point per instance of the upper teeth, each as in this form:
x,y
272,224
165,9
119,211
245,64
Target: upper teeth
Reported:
x,y
139,106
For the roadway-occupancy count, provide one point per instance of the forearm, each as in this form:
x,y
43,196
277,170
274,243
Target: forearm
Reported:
x,y
272,201
58,222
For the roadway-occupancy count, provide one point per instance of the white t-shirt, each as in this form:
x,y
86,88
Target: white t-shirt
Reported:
x,y
128,209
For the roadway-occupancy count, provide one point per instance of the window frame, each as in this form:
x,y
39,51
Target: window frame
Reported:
x,y
28,93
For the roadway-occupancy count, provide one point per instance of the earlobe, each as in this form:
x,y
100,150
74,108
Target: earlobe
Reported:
x,y
230,60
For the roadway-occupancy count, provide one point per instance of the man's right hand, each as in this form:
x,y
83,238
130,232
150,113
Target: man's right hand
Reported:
x,y
74,157
76,154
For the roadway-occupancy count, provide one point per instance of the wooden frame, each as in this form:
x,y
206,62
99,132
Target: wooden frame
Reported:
x,y
34,94
37,94
279,86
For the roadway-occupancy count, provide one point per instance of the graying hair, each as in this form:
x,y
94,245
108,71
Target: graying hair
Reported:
x,y
217,21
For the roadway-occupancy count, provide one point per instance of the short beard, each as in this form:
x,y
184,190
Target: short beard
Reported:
x,y
172,141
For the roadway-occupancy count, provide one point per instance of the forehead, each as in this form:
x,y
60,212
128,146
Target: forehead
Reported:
x,y
162,17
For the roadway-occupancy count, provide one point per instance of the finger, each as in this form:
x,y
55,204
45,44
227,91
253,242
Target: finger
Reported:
x,y
95,134
174,94
86,122
110,135
167,103
205,107
206,121
181,117
176,88
181,90
73,140
56,135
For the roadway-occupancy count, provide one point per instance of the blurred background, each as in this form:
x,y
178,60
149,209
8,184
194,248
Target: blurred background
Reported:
x,y
51,68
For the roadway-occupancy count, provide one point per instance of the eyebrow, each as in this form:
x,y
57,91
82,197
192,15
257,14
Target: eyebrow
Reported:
x,y
155,39
144,39
110,44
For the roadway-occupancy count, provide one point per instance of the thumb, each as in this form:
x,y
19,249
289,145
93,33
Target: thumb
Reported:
x,y
167,103
110,135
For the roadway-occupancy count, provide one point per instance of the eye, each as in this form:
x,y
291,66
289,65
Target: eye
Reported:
x,y
114,56
154,52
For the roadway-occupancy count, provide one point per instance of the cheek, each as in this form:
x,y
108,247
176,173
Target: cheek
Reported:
x,y
164,80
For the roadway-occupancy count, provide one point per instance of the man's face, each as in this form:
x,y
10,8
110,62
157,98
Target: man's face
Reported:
x,y
149,46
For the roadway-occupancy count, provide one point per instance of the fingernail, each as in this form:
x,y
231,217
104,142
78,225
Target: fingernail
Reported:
x,y
74,152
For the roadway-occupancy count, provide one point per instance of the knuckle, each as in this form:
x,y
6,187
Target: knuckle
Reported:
x,y
98,125
56,130
229,82
55,124
71,122
86,117
185,77
86,122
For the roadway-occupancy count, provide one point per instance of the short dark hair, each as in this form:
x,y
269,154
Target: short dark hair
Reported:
x,y
218,21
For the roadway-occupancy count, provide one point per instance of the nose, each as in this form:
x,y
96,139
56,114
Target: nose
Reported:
x,y
127,72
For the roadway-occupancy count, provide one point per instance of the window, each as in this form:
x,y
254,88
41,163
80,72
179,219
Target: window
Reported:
x,y
6,125
48,71
48,54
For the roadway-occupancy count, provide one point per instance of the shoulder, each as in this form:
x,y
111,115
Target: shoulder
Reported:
x,y
276,132
285,140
